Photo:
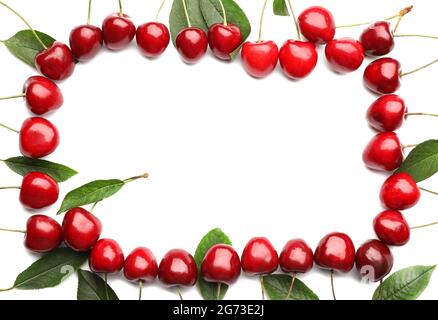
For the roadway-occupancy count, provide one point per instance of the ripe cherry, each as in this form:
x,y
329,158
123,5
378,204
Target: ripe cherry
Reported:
x,y
335,252
296,257
400,192
259,58
344,55
392,228
178,268
38,190
42,95
384,152
43,234
224,39
377,39
141,265
387,113
298,58
317,25
81,229
259,257
374,260
221,264
56,62
38,138
118,31
106,257
383,76
86,42
152,39
191,44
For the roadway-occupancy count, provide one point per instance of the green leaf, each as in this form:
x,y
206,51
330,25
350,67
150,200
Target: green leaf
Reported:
x,y
406,284
91,193
24,165
208,290
178,20
280,8
422,161
50,270
277,287
93,287
25,46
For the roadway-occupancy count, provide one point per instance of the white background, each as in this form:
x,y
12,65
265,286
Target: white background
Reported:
x,y
271,157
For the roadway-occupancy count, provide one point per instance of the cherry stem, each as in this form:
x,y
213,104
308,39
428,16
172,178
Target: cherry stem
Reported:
x,y
189,24
261,20
9,128
289,293
106,286
419,69
380,289
292,13
425,225
8,289
407,146
93,206
143,176
262,284
415,36
429,191
218,292
332,284
421,114
159,9
12,230
89,12
140,289
178,290
21,95
120,8
26,23
8,188
224,13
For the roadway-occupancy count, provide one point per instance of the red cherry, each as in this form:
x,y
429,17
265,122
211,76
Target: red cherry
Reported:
x,y
81,229
298,58
106,257
259,257
224,39
43,234
178,268
56,62
296,257
38,190
86,42
152,39
377,39
141,265
221,264
374,260
387,113
317,25
400,192
118,31
38,138
383,76
384,152
392,228
259,58
335,252
344,55
191,44
42,95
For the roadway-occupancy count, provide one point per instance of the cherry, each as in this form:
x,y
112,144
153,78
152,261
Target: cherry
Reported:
x,y
259,58
86,42
221,264
374,260
335,252
317,25
400,192
191,44
377,39
56,62
178,268
42,95
298,58
43,234
296,257
259,257
118,31
224,39
384,152
152,39
106,257
141,265
38,137
344,55
387,113
81,229
383,75
392,228
38,190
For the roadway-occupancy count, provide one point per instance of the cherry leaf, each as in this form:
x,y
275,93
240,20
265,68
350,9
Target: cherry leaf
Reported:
x,y
422,161
93,287
280,8
277,287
